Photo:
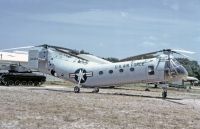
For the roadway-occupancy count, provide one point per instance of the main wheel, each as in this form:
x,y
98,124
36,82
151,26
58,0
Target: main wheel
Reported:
x,y
76,89
164,94
96,90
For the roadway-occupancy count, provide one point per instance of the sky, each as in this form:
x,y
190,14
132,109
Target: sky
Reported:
x,y
106,28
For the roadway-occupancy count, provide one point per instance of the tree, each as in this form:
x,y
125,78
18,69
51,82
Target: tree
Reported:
x,y
83,52
112,59
192,67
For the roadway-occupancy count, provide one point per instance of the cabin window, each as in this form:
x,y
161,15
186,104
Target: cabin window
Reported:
x,y
100,72
151,70
132,69
110,71
121,70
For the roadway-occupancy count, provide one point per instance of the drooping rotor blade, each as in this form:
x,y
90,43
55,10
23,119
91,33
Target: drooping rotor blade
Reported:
x,y
68,51
151,54
142,56
17,48
183,51
60,48
43,45
71,54
185,55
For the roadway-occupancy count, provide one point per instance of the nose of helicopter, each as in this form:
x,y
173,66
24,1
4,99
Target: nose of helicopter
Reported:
x,y
177,71
182,72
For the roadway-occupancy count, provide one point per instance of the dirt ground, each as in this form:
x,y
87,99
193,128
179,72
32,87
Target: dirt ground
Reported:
x,y
57,107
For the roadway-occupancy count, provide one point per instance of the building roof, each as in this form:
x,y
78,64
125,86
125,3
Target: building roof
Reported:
x,y
17,56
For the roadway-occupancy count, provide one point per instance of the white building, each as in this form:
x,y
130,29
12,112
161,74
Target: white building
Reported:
x,y
18,57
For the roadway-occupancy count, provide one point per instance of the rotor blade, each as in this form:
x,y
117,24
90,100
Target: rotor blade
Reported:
x,y
140,56
60,48
43,45
17,48
184,55
71,54
66,49
187,56
183,51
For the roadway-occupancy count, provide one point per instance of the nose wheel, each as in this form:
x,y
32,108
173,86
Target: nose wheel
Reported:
x,y
77,88
164,94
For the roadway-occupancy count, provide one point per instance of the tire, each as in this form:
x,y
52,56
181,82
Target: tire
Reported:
x,y
164,94
24,83
30,83
36,83
96,90
10,82
17,82
2,83
6,83
76,89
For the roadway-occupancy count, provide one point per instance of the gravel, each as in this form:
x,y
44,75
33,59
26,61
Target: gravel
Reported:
x,y
57,107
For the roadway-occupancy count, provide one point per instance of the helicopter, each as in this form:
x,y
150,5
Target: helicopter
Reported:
x,y
87,70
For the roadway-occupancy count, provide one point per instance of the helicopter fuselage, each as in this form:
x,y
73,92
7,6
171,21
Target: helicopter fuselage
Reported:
x,y
92,74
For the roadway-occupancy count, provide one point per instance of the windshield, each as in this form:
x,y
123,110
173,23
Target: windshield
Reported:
x,y
174,69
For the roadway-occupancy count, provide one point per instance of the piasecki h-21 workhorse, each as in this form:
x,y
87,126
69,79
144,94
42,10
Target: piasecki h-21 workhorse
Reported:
x,y
91,71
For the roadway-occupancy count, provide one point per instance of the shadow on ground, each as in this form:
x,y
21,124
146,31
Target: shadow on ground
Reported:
x,y
118,94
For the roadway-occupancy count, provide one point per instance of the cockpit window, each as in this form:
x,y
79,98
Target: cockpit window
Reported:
x,y
174,68
176,62
151,70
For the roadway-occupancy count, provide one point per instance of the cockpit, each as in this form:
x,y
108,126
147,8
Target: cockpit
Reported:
x,y
174,70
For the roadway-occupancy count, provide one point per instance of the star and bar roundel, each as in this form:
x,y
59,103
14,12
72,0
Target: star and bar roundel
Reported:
x,y
81,75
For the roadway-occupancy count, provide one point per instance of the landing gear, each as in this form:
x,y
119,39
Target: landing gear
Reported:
x,y
76,89
164,93
147,87
96,90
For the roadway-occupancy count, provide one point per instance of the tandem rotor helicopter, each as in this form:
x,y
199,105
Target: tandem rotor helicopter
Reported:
x,y
90,71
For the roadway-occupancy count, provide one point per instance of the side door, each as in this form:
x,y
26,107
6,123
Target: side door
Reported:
x,y
151,73
160,70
